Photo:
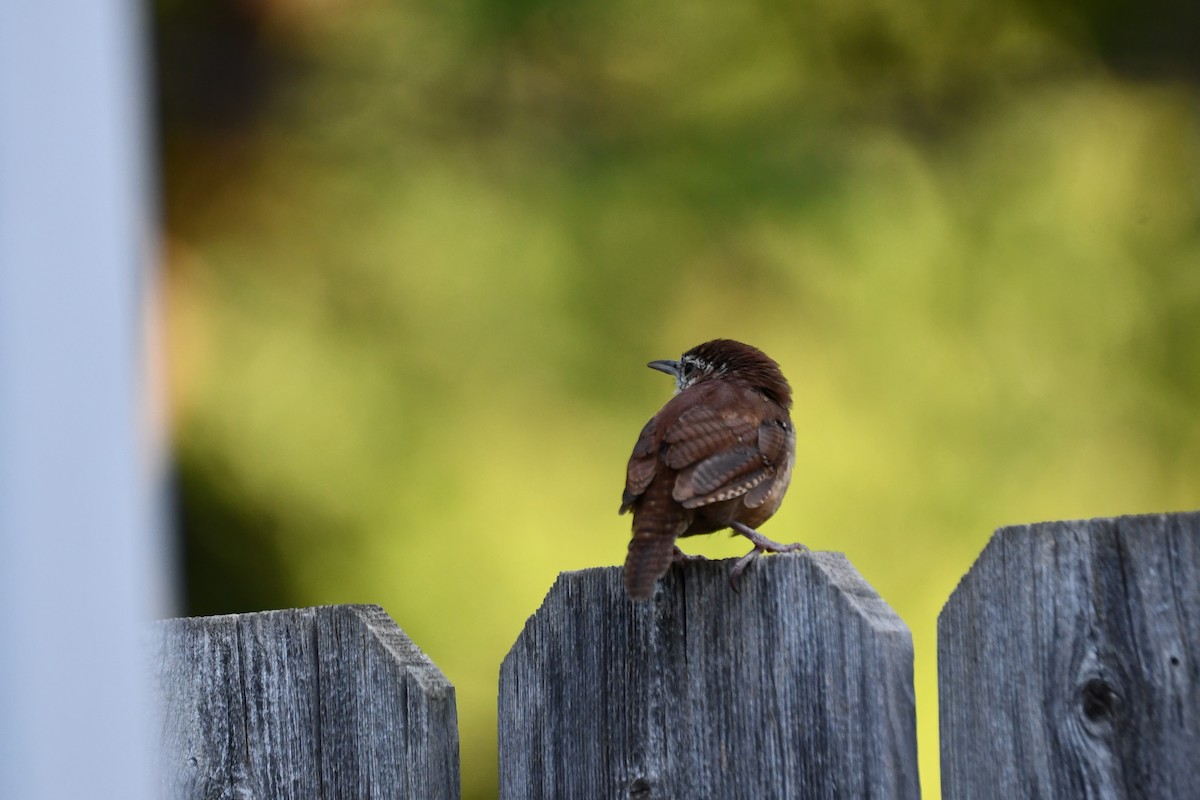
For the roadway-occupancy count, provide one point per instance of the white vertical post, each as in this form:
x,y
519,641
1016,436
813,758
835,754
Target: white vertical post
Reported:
x,y
80,547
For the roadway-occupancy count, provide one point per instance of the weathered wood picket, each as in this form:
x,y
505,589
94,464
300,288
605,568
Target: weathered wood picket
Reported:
x,y
798,686
1069,663
1069,666
306,703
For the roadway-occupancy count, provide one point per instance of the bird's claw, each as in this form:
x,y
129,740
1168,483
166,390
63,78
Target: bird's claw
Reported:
x,y
680,557
761,545
740,567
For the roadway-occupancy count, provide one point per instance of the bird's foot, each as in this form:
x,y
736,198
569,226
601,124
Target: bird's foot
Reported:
x,y
680,557
761,545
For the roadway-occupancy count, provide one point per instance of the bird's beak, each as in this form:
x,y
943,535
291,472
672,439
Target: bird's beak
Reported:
x,y
669,367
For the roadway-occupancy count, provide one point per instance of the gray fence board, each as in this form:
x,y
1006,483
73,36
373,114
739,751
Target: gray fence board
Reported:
x,y
314,703
799,686
1069,663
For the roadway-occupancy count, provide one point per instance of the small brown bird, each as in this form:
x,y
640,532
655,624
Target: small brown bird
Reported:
x,y
718,455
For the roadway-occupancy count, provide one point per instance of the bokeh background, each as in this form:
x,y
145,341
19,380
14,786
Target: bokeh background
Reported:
x,y
418,253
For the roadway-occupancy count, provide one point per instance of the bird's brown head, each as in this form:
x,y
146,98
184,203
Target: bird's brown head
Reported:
x,y
725,358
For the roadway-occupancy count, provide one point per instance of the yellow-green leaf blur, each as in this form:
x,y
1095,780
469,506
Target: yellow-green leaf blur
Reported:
x,y
418,255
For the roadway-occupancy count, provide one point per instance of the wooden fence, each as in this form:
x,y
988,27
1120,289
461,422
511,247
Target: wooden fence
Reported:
x,y
1069,667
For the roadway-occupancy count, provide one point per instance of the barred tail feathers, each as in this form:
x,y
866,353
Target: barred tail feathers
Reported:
x,y
657,521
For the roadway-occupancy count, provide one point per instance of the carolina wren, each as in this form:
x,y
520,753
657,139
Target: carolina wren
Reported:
x,y
718,455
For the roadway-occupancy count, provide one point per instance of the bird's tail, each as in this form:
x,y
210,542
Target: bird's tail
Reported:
x,y
656,522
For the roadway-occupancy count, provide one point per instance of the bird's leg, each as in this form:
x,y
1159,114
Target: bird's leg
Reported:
x,y
680,557
761,545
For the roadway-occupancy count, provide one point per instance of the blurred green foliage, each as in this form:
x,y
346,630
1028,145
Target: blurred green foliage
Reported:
x,y
419,253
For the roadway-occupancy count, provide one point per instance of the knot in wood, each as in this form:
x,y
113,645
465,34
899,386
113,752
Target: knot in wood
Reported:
x,y
1098,701
640,789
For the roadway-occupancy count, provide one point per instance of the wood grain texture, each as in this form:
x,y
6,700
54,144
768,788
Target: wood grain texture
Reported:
x,y
799,686
1069,663
324,703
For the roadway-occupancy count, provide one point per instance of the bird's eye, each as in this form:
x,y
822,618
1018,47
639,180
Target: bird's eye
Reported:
x,y
689,369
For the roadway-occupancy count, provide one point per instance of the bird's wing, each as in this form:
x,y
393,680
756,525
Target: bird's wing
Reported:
x,y
721,455
641,467
775,444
